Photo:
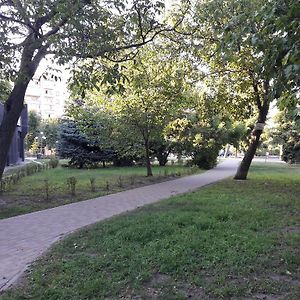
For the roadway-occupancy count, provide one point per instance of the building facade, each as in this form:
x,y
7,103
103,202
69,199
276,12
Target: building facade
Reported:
x,y
16,151
46,97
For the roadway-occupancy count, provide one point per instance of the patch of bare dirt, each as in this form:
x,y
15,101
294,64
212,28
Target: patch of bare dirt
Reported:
x,y
192,292
9,200
291,229
286,279
160,284
284,230
262,296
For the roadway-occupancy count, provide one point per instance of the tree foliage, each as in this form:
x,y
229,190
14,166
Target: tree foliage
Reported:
x,y
81,151
253,47
287,133
70,31
50,129
5,89
204,131
34,123
154,94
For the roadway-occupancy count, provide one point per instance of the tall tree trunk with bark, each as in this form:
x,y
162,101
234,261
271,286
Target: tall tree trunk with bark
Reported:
x,y
263,108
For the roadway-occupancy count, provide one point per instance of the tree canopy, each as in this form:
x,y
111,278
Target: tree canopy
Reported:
x,y
70,31
237,56
254,47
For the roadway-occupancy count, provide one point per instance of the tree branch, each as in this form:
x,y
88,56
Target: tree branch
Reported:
x,y
21,9
40,55
140,22
55,29
126,47
127,57
10,19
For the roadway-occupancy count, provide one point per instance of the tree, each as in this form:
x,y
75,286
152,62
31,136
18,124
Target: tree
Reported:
x,y
34,123
50,129
204,131
96,125
287,133
154,95
161,148
254,46
92,121
81,151
81,29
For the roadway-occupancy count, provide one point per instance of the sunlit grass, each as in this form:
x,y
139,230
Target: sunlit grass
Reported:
x,y
233,239
29,194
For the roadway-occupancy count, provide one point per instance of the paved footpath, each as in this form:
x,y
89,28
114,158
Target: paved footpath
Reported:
x,y
24,238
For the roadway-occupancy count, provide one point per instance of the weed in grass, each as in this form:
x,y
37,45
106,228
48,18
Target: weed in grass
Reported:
x,y
132,180
93,184
107,187
72,181
120,182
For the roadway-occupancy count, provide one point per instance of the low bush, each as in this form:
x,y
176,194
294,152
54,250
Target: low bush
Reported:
x,y
53,163
205,159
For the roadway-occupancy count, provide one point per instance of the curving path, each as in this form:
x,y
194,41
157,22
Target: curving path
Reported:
x,y
24,238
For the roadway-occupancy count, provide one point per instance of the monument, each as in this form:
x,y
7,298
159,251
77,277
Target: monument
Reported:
x,y
16,152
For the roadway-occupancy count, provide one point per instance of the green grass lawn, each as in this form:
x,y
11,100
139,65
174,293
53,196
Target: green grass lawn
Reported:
x,y
29,194
230,240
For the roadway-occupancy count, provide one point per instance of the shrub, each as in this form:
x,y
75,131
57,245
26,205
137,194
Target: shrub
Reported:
x,y
205,158
53,163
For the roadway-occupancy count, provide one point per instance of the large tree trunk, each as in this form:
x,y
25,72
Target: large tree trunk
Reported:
x,y
244,166
148,162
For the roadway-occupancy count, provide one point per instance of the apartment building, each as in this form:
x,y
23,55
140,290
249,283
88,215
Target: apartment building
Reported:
x,y
47,97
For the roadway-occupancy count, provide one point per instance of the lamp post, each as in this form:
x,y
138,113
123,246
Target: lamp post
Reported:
x,y
43,147
40,138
